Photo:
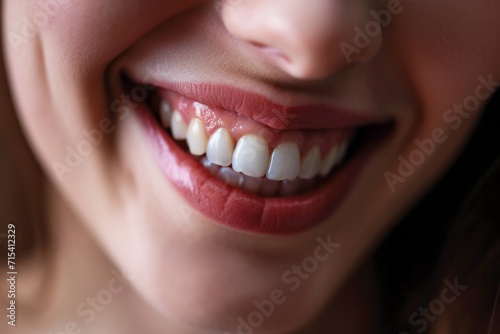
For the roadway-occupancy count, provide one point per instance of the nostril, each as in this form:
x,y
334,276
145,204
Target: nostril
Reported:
x,y
270,51
258,44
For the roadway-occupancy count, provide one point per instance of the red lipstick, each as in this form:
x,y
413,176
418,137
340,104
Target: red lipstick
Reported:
x,y
239,209
274,115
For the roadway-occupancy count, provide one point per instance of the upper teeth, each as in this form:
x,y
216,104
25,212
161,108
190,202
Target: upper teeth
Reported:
x,y
197,137
179,127
165,113
285,162
250,156
310,164
220,148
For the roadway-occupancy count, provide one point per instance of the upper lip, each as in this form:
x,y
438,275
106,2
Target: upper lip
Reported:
x,y
272,114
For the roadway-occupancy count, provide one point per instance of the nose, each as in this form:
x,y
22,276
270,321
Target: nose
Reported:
x,y
308,39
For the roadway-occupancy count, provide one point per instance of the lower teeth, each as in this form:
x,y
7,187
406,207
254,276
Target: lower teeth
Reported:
x,y
259,186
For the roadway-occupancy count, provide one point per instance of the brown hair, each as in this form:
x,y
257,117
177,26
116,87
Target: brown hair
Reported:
x,y
472,260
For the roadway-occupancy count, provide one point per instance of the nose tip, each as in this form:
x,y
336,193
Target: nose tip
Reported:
x,y
303,38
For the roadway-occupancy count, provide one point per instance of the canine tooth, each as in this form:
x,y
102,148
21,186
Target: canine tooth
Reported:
x,y
251,184
197,137
165,113
251,156
285,162
179,126
329,161
228,175
310,164
220,147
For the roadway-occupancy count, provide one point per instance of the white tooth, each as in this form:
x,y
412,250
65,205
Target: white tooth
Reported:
x,y
310,164
269,188
251,184
285,162
220,148
179,127
228,175
329,161
197,138
251,156
165,113
290,187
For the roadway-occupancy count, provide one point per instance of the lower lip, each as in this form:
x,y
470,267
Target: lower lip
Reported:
x,y
243,211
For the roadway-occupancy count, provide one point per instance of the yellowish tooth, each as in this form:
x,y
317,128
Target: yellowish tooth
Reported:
x,y
179,127
165,114
196,137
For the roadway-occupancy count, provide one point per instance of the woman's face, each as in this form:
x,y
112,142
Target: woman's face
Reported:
x,y
278,90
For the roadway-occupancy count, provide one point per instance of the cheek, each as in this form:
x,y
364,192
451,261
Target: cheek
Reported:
x,y
446,51
57,57
444,47
57,73
439,50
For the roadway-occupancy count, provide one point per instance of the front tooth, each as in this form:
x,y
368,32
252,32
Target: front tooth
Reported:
x,y
285,162
251,156
179,127
329,161
310,164
220,148
165,113
197,137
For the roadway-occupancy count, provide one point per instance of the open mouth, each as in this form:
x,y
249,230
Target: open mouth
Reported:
x,y
249,155
249,163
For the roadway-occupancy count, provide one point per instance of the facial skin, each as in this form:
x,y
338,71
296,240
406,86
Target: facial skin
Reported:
x,y
191,270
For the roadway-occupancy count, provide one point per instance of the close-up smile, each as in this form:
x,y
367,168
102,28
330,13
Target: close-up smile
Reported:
x,y
253,164
250,166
